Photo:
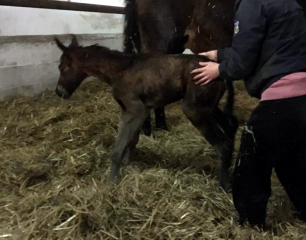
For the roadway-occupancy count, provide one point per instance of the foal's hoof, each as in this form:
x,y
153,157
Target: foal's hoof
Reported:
x,y
114,179
112,182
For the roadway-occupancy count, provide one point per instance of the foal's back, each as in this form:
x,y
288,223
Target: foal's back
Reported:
x,y
159,80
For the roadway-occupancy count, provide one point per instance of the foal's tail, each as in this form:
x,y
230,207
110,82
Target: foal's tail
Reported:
x,y
228,110
131,30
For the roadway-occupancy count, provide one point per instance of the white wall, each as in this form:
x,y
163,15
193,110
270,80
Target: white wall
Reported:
x,y
28,56
103,2
16,21
28,65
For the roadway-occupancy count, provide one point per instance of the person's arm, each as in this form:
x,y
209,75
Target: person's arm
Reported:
x,y
222,54
240,61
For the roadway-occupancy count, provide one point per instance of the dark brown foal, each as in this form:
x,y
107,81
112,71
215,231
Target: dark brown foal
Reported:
x,y
141,82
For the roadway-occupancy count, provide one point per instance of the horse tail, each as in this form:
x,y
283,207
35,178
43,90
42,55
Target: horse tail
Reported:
x,y
228,110
131,30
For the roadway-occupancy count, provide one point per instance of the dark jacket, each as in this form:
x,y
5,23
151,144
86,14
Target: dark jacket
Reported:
x,y
269,43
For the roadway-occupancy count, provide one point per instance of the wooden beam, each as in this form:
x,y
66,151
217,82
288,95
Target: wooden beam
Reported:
x,y
59,5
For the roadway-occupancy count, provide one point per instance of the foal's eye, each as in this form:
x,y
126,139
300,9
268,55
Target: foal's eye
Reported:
x,y
66,69
63,68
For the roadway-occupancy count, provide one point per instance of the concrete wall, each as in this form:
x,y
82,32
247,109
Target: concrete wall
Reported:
x,y
29,64
118,3
28,56
15,21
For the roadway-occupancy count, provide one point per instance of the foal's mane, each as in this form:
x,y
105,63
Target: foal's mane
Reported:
x,y
104,50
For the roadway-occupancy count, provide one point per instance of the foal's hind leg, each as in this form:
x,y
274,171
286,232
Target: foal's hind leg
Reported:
x,y
228,122
211,127
132,120
131,150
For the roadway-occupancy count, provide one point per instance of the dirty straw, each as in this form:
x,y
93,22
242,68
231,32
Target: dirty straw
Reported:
x,y
54,163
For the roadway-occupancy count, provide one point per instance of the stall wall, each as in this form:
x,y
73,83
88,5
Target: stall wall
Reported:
x,y
28,55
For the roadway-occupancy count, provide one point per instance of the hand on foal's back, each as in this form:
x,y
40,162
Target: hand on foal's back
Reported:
x,y
211,55
207,73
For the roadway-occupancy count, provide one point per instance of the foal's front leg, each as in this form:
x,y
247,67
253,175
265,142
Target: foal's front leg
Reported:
x,y
132,120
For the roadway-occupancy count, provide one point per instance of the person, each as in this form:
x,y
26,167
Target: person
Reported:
x,y
269,52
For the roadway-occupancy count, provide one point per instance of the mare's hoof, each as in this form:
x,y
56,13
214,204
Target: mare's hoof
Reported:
x,y
147,132
162,127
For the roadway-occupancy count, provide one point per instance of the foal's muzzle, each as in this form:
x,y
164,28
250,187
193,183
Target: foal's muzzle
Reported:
x,y
61,92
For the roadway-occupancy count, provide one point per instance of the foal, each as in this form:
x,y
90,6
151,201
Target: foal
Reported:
x,y
141,82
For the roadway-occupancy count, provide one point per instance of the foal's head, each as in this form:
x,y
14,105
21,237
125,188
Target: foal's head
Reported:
x,y
71,75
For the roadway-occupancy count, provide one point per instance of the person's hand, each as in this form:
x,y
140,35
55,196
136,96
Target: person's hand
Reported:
x,y
207,73
211,55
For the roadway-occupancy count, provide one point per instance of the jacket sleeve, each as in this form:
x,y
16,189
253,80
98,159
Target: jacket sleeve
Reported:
x,y
240,61
221,54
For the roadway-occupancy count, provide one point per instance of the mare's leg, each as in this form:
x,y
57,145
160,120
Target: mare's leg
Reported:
x,y
132,120
159,33
175,46
211,126
146,127
160,118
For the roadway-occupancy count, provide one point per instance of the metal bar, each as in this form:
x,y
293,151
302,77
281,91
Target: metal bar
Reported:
x,y
59,5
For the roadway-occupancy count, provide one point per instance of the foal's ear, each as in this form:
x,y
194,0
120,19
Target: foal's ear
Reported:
x,y
74,42
60,45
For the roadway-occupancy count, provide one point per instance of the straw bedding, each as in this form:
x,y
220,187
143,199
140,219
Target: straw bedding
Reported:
x,y
54,165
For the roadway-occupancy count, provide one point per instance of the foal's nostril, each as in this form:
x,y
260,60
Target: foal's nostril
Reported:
x,y
61,92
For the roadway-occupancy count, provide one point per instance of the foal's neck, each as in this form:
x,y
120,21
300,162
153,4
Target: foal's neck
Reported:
x,y
105,64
